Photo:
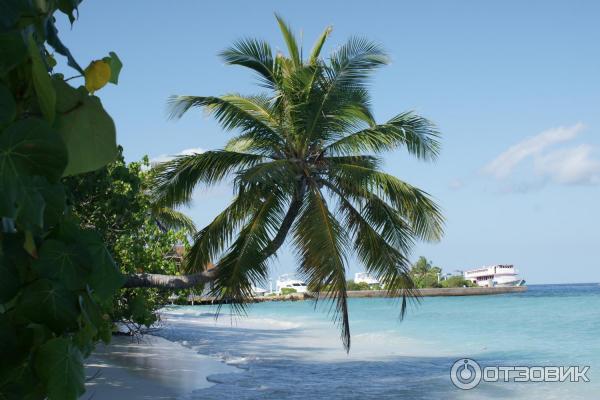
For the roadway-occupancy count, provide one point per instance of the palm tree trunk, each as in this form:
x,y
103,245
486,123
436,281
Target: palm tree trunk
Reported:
x,y
186,281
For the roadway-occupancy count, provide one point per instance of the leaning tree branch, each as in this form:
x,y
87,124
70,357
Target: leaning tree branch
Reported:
x,y
145,280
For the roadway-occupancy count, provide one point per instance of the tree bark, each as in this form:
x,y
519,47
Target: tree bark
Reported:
x,y
169,281
186,281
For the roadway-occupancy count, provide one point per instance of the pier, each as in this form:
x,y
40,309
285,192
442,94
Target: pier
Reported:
x,y
428,292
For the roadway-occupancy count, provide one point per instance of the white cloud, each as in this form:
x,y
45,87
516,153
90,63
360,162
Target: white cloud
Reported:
x,y
570,166
168,157
503,165
566,165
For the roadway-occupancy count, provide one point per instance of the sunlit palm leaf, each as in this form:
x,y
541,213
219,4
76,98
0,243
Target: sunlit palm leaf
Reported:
x,y
417,134
256,55
321,245
169,218
176,179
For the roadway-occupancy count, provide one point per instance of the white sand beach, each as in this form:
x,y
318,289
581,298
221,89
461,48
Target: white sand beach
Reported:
x,y
153,368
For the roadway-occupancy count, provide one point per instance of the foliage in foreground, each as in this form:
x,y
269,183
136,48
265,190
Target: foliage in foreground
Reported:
x,y
57,280
305,165
115,202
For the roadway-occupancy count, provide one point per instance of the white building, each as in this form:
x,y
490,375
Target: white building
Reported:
x,y
363,277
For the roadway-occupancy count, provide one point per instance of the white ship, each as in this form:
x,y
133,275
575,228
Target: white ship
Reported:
x,y
289,281
494,275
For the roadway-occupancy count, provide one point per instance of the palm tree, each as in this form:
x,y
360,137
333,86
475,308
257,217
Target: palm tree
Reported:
x,y
305,165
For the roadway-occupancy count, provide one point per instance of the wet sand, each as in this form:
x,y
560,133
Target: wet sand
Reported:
x,y
154,368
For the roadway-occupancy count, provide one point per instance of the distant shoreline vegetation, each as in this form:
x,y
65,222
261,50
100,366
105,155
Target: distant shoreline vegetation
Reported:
x,y
424,275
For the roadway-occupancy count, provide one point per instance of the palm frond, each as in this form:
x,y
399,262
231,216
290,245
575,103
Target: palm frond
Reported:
x,y
244,264
169,218
250,114
256,55
211,240
175,180
290,41
353,63
321,245
316,51
373,238
418,134
423,214
277,173
414,205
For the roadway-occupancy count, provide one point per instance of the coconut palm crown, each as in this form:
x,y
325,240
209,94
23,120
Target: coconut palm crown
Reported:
x,y
304,163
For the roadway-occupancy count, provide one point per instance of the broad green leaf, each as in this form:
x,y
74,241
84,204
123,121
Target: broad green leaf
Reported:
x,y
42,83
115,65
8,336
39,203
31,147
8,108
105,278
9,279
28,147
86,128
54,198
48,302
60,365
13,51
62,263
10,11
30,207
97,75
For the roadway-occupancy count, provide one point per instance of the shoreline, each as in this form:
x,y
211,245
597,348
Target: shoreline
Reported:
x,y
426,292
153,368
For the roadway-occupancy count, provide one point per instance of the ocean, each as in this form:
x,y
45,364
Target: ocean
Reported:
x,y
291,350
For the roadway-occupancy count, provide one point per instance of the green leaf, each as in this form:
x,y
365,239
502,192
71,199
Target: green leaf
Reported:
x,y
27,147
105,278
12,51
86,128
115,65
67,7
10,11
54,198
62,263
8,108
60,366
31,147
42,83
9,279
48,302
30,207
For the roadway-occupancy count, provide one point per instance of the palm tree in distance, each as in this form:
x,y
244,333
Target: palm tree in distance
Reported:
x,y
304,165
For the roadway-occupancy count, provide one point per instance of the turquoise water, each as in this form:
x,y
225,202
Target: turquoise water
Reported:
x,y
291,349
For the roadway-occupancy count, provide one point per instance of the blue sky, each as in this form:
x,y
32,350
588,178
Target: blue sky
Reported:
x,y
513,86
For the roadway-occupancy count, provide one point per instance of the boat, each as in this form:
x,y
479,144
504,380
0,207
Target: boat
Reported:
x,y
291,282
258,291
364,277
497,275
